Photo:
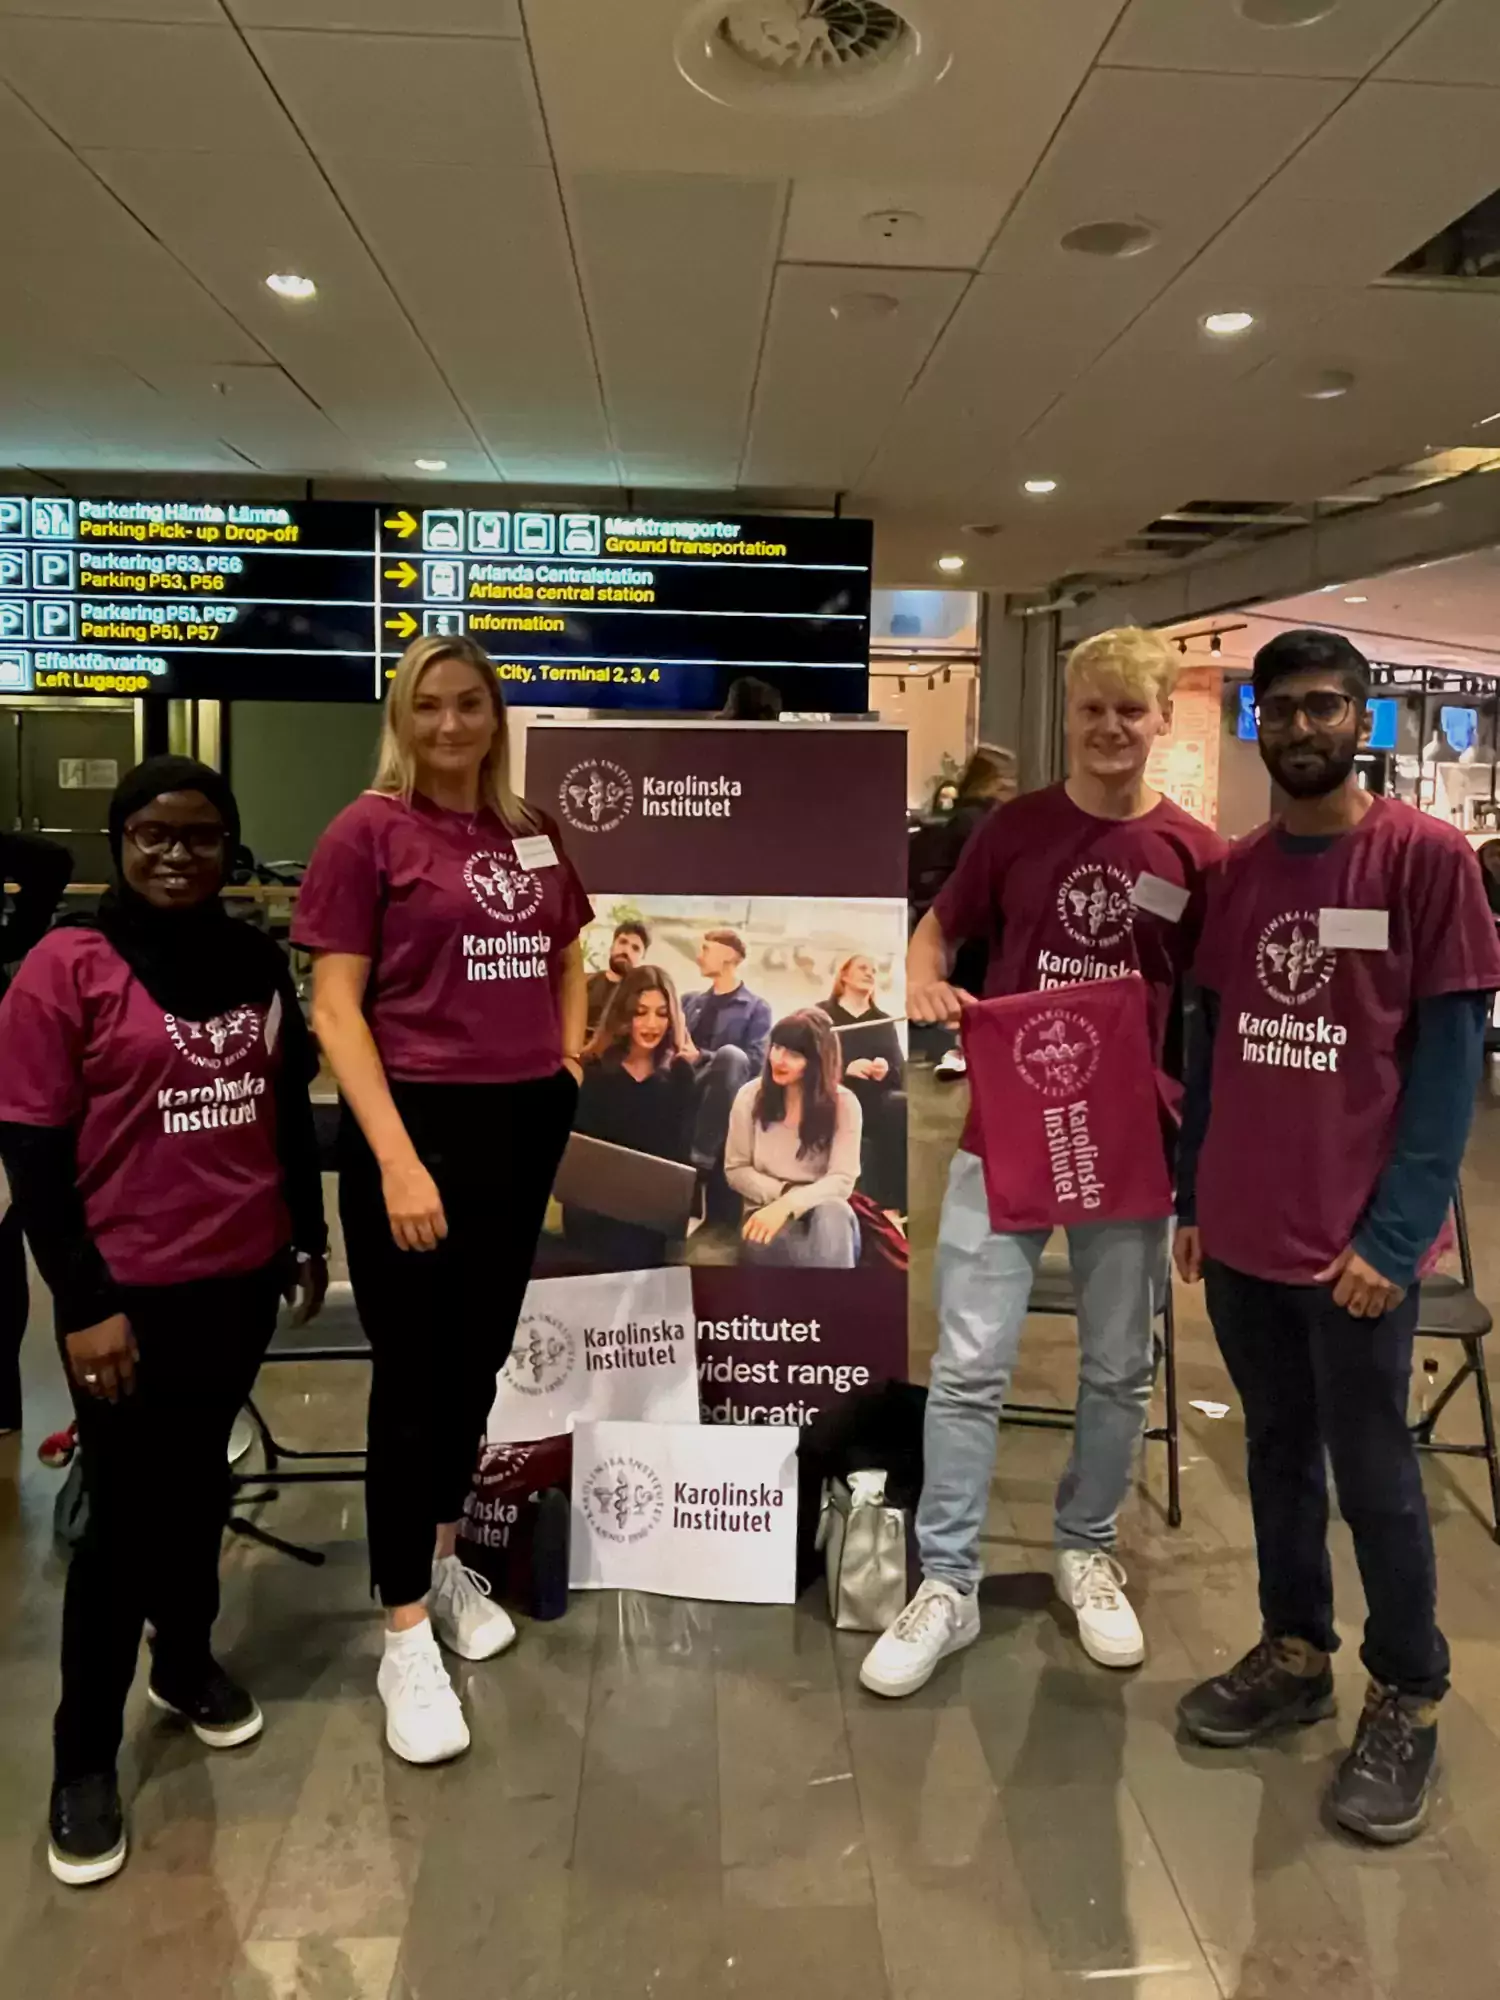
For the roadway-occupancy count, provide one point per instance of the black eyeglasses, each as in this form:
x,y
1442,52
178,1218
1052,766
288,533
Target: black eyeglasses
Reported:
x,y
1323,708
155,837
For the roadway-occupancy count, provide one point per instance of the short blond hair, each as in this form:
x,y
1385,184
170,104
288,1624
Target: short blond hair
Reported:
x,y
1143,663
396,768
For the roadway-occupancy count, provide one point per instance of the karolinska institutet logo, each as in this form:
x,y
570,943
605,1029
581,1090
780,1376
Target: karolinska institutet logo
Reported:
x,y
1290,963
501,889
596,796
542,1358
1057,1052
222,1042
624,1499
1094,906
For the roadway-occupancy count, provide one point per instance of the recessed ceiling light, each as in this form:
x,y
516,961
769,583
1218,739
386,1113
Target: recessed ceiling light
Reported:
x,y
1356,600
1110,239
1223,324
952,564
864,306
1040,486
291,285
1328,386
430,464
1287,13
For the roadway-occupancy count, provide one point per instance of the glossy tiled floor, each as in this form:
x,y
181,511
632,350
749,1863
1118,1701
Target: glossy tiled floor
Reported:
x,y
682,1802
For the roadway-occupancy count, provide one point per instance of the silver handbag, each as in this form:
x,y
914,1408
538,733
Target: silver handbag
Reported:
x,y
864,1553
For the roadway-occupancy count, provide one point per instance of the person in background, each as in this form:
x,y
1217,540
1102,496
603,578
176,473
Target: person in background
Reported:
x,y
988,780
638,1092
1346,962
1489,865
40,870
449,997
750,700
875,1070
1094,878
944,799
793,1152
627,948
155,1125
727,1027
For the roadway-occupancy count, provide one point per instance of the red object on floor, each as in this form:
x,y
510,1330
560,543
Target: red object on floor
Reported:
x,y
58,1449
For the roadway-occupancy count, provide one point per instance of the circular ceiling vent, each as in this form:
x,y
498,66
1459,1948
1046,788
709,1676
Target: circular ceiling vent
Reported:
x,y
807,57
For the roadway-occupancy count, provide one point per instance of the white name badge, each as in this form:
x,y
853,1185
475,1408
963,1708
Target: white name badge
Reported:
x,y
1354,930
1162,899
535,850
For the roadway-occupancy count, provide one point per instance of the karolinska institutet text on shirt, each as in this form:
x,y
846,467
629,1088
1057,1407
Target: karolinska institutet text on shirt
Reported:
x,y
1285,1042
209,1107
512,955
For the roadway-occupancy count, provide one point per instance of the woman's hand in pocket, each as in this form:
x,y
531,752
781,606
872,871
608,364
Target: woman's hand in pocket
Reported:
x,y
102,1358
414,1206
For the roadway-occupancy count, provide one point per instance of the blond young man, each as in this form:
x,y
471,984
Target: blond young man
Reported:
x,y
1089,879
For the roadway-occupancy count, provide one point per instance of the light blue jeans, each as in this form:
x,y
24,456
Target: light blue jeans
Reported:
x,y
983,1286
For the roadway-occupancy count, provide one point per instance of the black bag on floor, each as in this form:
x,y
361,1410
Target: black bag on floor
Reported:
x,y
877,1429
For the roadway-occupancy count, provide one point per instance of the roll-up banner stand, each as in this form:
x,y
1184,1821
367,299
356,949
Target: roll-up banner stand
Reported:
x,y
760,870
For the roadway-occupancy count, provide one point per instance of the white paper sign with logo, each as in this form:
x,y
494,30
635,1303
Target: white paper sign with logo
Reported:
x,y
622,1345
709,1513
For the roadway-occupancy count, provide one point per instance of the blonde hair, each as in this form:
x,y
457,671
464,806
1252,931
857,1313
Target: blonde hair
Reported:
x,y
1143,663
841,974
396,768
991,773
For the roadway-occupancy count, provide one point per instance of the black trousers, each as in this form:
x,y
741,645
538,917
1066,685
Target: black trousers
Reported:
x,y
440,1322
15,1303
156,1471
1315,1382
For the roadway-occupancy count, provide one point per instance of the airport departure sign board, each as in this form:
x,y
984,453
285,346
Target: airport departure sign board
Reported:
x,y
315,600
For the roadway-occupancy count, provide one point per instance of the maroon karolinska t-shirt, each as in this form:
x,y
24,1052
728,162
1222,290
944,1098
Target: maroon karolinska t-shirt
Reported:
x,y
175,1120
1064,897
465,939
1318,961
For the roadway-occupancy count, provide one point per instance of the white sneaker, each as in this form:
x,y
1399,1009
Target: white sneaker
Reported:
x,y
1094,1584
951,1066
939,1620
463,1616
424,1723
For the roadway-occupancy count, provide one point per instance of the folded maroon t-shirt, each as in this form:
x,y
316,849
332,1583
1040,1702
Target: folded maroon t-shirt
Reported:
x,y
1065,1103
175,1120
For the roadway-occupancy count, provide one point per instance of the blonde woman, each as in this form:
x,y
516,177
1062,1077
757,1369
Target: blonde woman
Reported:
x,y
450,999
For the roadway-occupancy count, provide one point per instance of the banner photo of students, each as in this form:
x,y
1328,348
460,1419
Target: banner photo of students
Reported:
x,y
685,1512
743,1110
616,1346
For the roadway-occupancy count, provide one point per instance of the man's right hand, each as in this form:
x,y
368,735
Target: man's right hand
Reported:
x,y
102,1358
1187,1252
414,1206
938,1004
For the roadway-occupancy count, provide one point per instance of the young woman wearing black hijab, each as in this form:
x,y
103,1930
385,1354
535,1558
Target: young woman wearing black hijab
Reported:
x,y
156,1129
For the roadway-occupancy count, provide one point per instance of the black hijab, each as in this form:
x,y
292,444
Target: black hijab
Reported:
x,y
194,963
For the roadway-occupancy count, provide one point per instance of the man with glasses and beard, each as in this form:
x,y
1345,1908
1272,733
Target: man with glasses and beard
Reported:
x,y
1344,965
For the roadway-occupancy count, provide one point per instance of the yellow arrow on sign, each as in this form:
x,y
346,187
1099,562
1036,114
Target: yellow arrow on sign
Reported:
x,y
403,627
403,524
403,574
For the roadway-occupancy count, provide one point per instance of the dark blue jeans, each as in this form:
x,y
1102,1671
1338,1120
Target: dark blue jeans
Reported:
x,y
1313,1381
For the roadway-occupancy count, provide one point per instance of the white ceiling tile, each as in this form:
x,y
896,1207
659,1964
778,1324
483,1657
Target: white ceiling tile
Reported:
x,y
829,388
1215,35
1459,42
526,377
259,411
677,272
65,204
117,10
134,302
941,227
615,97
448,100
175,89
385,17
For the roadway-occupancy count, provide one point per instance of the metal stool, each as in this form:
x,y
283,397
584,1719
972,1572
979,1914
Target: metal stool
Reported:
x,y
335,1335
1052,1295
1450,1309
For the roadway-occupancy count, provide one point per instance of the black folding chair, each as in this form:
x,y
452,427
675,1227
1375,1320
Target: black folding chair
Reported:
x,y
1052,1295
335,1335
1451,1309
